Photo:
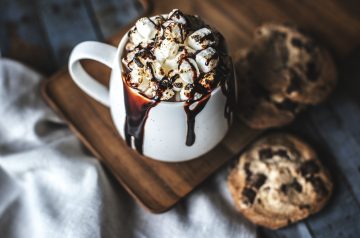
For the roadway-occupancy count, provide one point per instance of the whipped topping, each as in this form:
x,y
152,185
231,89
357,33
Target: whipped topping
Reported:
x,y
173,57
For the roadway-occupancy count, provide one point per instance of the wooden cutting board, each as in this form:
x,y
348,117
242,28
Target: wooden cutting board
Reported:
x,y
158,185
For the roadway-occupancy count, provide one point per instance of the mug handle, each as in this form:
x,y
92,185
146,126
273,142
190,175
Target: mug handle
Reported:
x,y
97,51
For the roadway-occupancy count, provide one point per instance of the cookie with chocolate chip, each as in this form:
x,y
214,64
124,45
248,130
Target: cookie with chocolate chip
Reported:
x,y
278,181
257,106
283,71
299,68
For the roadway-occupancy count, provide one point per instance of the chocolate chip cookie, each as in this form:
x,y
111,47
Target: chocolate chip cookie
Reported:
x,y
258,107
282,72
278,181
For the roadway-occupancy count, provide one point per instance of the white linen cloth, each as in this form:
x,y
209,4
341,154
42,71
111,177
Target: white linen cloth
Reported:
x,y
51,187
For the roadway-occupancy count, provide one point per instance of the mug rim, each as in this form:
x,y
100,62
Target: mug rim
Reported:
x,y
120,49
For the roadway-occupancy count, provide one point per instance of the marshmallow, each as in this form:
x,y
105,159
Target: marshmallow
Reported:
x,y
167,49
173,63
140,74
158,20
178,84
163,60
200,39
146,28
135,37
158,71
150,93
185,92
144,84
188,70
167,94
177,16
207,81
174,31
207,59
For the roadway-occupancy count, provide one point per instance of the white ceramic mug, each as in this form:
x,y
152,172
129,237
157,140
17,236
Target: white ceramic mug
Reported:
x,y
166,127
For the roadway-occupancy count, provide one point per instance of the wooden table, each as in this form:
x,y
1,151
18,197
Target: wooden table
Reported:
x,y
40,33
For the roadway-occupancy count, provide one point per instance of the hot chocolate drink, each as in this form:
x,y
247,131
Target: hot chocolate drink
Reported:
x,y
174,58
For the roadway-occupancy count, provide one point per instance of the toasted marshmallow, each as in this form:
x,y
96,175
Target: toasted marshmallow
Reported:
x,y
140,74
208,80
201,39
164,59
158,20
207,59
173,63
146,28
174,31
158,70
186,91
177,16
135,37
167,49
167,94
178,84
188,70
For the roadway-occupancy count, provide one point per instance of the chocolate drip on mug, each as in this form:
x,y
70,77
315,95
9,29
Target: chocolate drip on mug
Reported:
x,y
228,88
137,109
191,116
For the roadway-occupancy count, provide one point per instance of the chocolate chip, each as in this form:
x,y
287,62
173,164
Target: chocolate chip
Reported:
x,y
310,46
284,188
319,186
297,42
247,171
311,71
279,34
257,180
283,154
287,105
295,82
249,196
309,167
284,55
265,154
259,92
295,184
305,206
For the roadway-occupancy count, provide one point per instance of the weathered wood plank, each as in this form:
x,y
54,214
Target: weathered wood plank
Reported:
x,y
66,23
111,15
21,35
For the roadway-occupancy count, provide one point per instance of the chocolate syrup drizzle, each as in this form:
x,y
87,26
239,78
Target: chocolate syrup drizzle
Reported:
x,y
137,109
191,115
228,89
138,106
